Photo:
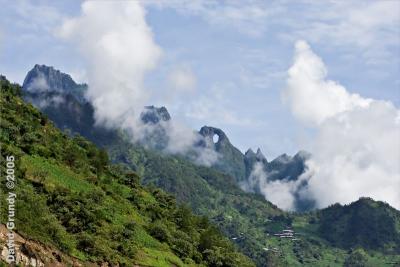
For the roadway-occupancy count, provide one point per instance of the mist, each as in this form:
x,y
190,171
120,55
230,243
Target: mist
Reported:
x,y
119,49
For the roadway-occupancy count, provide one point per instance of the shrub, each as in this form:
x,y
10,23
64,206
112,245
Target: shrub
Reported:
x,y
159,231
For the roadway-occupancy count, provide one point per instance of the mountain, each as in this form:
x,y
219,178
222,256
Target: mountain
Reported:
x,y
287,167
154,115
253,223
207,191
231,161
51,90
251,158
155,122
284,168
43,78
241,167
75,206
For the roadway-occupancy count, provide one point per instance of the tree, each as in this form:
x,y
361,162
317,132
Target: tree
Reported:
x,y
357,258
101,161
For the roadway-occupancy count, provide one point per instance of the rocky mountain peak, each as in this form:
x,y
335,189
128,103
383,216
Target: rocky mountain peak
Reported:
x,y
302,155
44,78
231,159
284,158
208,132
43,81
252,157
260,156
250,153
153,115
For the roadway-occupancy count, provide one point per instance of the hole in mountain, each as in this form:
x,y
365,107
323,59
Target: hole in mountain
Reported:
x,y
215,138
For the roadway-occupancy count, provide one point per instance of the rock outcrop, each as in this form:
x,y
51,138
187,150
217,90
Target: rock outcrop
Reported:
x,y
231,160
251,158
32,253
43,78
154,115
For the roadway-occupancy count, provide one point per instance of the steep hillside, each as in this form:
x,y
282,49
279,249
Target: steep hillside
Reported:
x,y
251,222
71,200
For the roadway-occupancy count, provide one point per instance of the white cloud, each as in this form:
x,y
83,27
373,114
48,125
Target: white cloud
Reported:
x,y
49,101
38,85
356,149
312,98
279,192
182,79
183,140
119,48
181,137
78,75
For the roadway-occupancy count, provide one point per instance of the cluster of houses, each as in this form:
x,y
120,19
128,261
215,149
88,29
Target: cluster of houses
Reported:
x,y
287,233
275,250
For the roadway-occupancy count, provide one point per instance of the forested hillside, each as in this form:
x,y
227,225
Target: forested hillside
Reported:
x,y
69,197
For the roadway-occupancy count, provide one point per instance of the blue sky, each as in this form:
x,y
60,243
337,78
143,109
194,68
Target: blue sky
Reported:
x,y
233,57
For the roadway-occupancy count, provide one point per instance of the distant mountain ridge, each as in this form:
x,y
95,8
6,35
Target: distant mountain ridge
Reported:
x,y
60,91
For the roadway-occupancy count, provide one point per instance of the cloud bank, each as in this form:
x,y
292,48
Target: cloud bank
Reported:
x,y
356,149
119,48
280,192
312,98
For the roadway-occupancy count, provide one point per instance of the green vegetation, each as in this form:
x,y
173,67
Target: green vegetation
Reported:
x,y
116,213
209,193
70,198
365,223
251,221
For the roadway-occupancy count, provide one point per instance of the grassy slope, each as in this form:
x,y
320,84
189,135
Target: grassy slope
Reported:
x,y
69,198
